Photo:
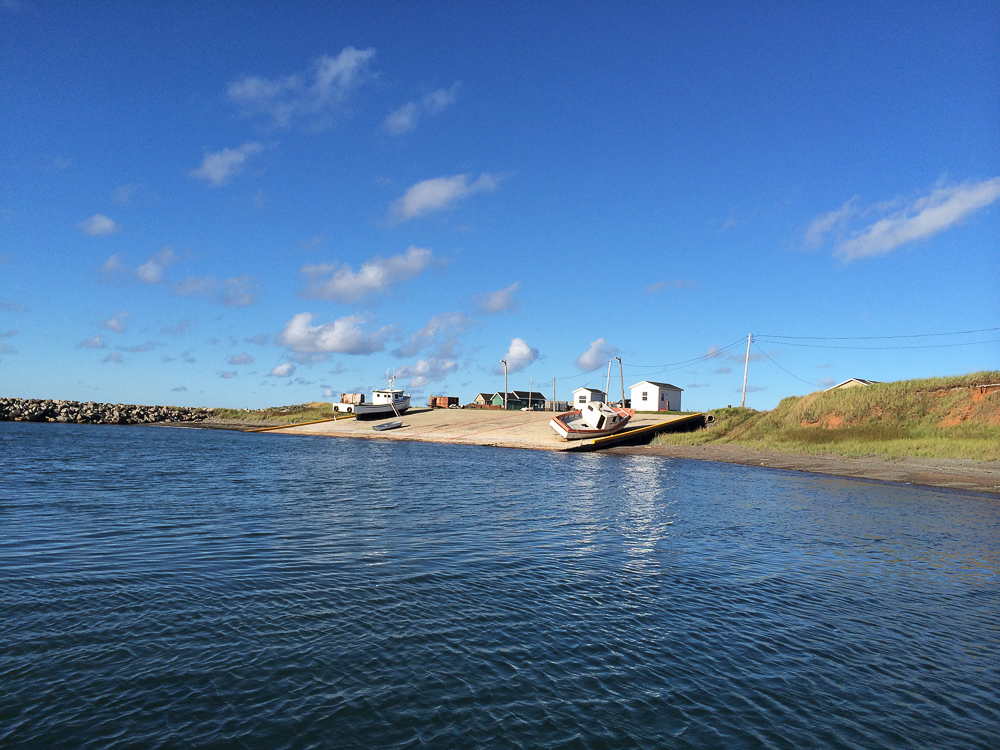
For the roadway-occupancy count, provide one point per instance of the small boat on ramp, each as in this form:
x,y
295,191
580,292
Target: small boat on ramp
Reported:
x,y
595,420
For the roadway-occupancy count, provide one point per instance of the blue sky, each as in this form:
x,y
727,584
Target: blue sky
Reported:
x,y
247,204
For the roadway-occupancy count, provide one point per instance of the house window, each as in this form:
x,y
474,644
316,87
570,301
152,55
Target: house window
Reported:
x,y
663,396
583,398
644,395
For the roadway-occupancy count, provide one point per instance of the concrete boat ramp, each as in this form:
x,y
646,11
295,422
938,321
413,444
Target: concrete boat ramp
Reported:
x,y
505,429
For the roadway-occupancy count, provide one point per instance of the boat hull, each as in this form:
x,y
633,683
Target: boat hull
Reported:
x,y
380,411
570,426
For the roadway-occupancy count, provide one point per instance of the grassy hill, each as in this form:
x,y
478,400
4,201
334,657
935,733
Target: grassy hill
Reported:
x,y
279,414
953,417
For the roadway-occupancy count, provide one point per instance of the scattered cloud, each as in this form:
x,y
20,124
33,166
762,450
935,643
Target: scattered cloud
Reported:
x,y
340,283
240,359
724,370
124,195
179,389
9,305
117,323
4,258
261,339
328,393
827,382
238,291
98,225
659,286
942,208
310,97
598,353
344,335
313,243
179,329
114,358
499,301
95,343
518,356
426,371
7,335
151,272
148,346
406,117
437,194
218,168
824,367
752,389
697,385
228,374
282,371
442,330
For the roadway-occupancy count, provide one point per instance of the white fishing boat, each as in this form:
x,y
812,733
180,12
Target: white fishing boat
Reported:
x,y
390,402
595,420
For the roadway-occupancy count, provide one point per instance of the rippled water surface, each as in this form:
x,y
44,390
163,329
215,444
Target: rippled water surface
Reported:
x,y
189,588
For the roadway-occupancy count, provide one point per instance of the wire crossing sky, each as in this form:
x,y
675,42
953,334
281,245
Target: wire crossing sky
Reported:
x,y
258,204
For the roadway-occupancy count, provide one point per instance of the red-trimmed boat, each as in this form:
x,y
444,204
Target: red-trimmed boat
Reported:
x,y
595,420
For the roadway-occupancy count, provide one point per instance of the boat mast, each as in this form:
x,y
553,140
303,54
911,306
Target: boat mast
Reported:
x,y
621,374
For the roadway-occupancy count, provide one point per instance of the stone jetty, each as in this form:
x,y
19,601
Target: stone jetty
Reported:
x,y
90,412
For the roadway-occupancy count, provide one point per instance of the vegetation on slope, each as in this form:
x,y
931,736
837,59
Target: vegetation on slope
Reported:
x,y
279,414
954,417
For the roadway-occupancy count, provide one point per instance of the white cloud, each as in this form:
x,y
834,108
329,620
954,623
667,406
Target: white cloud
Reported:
x,y
443,330
98,225
437,194
95,343
228,374
328,393
498,301
311,97
113,358
675,284
238,291
180,388
406,117
826,223
426,371
240,359
344,335
283,371
598,353
9,305
922,218
151,272
217,168
518,356
375,276
117,323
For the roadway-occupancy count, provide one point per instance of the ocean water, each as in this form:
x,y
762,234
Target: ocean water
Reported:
x,y
191,588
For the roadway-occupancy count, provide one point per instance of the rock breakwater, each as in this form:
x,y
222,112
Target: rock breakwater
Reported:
x,y
90,412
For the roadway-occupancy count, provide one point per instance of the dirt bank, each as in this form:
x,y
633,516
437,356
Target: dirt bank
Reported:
x,y
953,473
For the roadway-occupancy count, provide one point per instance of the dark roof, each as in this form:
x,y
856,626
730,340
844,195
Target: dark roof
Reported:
x,y
521,395
659,385
592,390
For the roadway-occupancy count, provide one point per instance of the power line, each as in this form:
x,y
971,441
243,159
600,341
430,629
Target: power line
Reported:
x,y
706,356
871,338
782,368
881,348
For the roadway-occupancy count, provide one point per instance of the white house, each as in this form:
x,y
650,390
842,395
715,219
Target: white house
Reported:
x,y
583,396
650,396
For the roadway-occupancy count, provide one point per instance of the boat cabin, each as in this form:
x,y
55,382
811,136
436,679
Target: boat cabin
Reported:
x,y
598,415
388,396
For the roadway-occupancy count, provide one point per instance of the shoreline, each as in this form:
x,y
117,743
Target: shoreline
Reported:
x,y
962,474
529,430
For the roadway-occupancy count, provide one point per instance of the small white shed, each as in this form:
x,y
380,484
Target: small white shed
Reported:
x,y
583,396
651,396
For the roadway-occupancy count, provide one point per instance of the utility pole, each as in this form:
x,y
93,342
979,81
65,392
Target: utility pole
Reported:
x,y
746,366
607,387
621,374
553,394
531,384
505,380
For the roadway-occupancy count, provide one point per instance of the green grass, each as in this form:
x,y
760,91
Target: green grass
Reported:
x,y
933,418
284,414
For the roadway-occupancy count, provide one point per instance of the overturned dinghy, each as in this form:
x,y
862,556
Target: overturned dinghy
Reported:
x,y
387,426
593,421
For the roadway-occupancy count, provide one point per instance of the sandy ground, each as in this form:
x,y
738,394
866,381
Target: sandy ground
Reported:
x,y
505,429
953,473
515,429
